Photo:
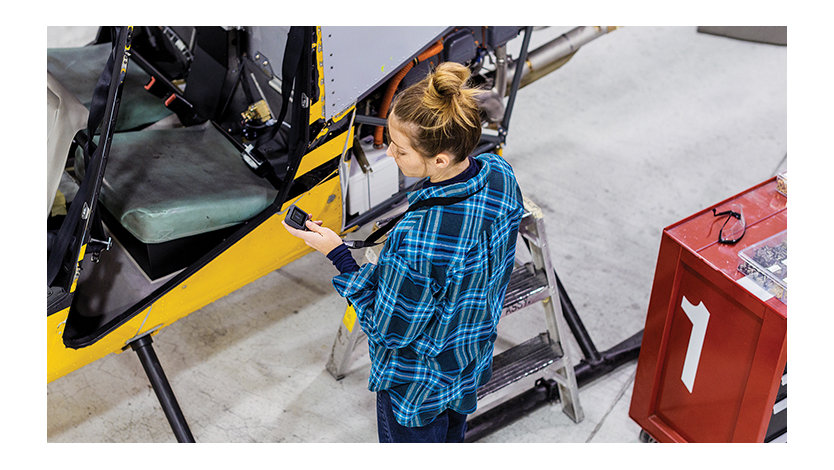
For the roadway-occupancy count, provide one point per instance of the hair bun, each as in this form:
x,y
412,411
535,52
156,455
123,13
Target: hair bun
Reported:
x,y
445,84
443,110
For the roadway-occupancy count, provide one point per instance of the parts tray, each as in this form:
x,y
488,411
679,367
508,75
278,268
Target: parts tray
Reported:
x,y
766,263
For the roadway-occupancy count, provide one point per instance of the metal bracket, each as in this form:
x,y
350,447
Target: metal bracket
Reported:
x,y
249,158
98,246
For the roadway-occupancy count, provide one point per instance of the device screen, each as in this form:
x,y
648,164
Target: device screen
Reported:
x,y
298,217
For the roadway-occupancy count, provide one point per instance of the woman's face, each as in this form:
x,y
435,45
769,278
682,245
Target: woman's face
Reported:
x,y
410,161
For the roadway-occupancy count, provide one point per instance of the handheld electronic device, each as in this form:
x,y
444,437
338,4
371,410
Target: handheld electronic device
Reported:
x,y
297,218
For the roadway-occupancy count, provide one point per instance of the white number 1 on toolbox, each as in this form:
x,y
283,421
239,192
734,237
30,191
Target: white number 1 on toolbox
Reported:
x,y
699,316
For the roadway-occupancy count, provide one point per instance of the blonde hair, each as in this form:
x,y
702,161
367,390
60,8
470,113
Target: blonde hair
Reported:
x,y
441,113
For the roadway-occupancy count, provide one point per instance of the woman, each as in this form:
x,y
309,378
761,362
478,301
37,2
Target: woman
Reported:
x,y
431,304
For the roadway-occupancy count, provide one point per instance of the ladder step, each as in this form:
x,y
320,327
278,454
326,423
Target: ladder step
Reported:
x,y
520,361
524,288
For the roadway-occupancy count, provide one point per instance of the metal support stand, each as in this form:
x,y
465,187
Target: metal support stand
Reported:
x,y
490,143
160,385
595,364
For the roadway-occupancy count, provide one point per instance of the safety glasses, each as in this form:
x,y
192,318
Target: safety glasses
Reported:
x,y
734,226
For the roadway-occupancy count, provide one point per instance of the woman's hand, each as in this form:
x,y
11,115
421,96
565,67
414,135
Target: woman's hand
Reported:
x,y
319,238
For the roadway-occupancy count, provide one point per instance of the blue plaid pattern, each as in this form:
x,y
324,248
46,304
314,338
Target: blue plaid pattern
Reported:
x,y
431,304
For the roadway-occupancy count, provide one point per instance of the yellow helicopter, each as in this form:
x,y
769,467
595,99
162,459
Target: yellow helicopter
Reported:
x,y
175,152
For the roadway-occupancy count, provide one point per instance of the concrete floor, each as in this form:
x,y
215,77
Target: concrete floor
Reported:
x,y
642,128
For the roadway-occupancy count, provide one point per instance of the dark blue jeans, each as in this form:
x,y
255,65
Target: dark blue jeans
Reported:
x,y
449,426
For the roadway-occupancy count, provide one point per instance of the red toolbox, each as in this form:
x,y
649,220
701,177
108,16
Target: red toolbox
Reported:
x,y
712,365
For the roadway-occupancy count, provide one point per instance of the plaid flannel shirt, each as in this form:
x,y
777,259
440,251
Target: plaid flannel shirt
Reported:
x,y
431,304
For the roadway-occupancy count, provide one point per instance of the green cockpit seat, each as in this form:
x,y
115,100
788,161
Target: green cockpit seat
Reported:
x,y
173,191
78,70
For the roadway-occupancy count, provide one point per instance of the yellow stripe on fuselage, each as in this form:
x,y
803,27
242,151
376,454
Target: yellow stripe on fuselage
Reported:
x,y
324,153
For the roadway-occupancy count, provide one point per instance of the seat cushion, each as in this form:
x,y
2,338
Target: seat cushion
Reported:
x,y
78,69
167,184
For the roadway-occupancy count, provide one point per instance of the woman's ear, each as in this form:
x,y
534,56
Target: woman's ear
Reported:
x,y
442,160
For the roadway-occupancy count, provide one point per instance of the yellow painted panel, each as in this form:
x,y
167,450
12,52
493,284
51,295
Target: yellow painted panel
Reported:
x,y
54,330
316,111
267,248
78,271
61,360
350,318
325,152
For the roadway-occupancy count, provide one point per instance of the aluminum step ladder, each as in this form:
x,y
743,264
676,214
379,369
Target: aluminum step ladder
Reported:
x,y
517,368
